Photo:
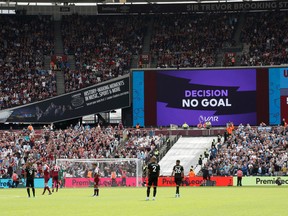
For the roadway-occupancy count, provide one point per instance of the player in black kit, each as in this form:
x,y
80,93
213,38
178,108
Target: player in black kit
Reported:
x,y
153,171
178,173
29,175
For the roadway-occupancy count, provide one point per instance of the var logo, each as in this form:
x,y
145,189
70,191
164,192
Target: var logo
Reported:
x,y
208,118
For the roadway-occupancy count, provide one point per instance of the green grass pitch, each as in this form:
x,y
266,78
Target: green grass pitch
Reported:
x,y
195,201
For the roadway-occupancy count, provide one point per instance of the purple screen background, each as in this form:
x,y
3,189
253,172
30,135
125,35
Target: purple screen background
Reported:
x,y
244,79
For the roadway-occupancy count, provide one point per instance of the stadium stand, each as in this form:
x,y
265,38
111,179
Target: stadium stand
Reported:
x,y
24,42
100,53
78,142
190,40
103,53
265,33
189,150
257,151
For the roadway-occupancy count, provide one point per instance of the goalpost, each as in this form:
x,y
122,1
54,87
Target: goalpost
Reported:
x,y
113,171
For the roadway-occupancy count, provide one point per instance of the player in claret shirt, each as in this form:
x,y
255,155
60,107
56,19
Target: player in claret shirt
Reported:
x,y
46,179
30,172
55,177
96,184
178,174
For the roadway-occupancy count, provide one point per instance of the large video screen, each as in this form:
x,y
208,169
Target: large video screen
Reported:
x,y
165,97
197,96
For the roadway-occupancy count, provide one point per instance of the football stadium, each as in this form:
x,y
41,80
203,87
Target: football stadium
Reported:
x,y
132,107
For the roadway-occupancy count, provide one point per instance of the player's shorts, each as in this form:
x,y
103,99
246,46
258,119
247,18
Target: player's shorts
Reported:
x,y
46,179
153,181
30,183
205,177
178,180
55,178
96,185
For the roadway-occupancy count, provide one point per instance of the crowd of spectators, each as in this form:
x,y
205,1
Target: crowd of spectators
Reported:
x,y
103,46
102,53
255,150
266,34
79,142
190,40
24,42
77,79
20,87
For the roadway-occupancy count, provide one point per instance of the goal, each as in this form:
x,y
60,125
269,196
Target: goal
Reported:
x,y
114,172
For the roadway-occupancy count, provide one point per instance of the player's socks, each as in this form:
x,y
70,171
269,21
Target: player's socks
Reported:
x,y
97,192
148,191
49,190
57,188
28,192
154,191
177,189
44,191
33,191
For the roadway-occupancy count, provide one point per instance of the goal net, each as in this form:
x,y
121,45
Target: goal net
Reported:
x,y
113,172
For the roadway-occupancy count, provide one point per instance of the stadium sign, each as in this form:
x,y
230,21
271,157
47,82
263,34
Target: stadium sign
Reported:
x,y
38,183
196,181
261,181
109,95
163,181
104,182
193,7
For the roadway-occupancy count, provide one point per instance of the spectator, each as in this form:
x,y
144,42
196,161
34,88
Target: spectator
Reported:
x,y
239,177
15,180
